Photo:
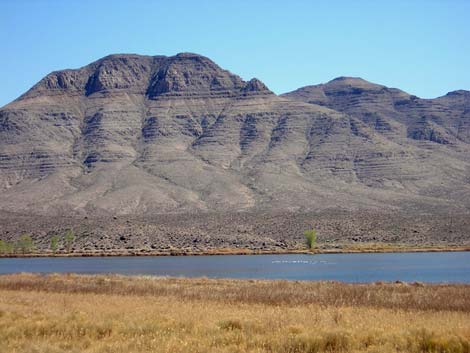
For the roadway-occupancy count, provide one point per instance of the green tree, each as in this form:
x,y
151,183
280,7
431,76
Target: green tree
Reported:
x,y
6,247
3,247
311,238
54,243
25,244
69,238
10,248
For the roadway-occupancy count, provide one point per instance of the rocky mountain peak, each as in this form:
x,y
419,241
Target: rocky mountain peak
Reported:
x,y
458,93
256,86
182,74
128,72
189,74
351,82
348,80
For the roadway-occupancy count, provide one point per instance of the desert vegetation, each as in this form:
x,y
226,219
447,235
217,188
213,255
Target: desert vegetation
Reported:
x,y
237,233
26,245
311,238
69,237
75,313
54,243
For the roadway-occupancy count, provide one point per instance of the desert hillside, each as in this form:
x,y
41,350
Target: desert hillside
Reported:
x,y
143,135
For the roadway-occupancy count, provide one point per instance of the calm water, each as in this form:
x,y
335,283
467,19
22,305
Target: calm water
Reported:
x,y
426,267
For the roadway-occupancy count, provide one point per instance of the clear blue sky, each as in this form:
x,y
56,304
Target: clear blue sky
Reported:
x,y
422,47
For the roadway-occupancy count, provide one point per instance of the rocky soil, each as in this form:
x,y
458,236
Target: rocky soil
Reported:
x,y
253,231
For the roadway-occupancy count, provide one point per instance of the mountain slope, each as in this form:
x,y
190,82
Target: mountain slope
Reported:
x,y
132,134
434,131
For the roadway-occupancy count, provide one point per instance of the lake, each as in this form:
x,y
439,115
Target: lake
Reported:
x,y
424,267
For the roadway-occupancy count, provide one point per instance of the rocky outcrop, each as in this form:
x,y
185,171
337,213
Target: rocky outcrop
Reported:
x,y
131,134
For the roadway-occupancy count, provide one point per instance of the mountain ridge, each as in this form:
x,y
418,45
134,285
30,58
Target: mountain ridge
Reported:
x,y
131,134
457,92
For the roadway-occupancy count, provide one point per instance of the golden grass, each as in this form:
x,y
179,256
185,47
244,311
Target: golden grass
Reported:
x,y
72,313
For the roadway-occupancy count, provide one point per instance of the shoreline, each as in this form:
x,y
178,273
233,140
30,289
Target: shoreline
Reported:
x,y
361,249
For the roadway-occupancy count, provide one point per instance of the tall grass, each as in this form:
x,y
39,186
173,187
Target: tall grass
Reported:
x,y
94,314
409,296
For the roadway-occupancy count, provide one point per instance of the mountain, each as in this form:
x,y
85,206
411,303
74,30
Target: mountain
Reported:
x,y
433,135
443,120
132,134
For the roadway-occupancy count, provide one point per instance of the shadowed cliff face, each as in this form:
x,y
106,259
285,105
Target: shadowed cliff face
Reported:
x,y
132,134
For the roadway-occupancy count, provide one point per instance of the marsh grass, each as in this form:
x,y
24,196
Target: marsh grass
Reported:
x,y
73,313
230,325
410,296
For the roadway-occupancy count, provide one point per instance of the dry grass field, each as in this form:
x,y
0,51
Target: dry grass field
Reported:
x,y
72,313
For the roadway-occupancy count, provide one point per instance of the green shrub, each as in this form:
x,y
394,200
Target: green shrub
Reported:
x,y
6,247
54,243
311,238
69,238
3,247
25,244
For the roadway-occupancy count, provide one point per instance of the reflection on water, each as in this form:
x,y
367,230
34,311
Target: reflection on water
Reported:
x,y
425,267
299,262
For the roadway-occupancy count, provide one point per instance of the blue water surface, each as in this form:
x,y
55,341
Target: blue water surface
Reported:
x,y
425,267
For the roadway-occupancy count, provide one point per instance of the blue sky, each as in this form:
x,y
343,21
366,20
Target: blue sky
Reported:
x,y
422,47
